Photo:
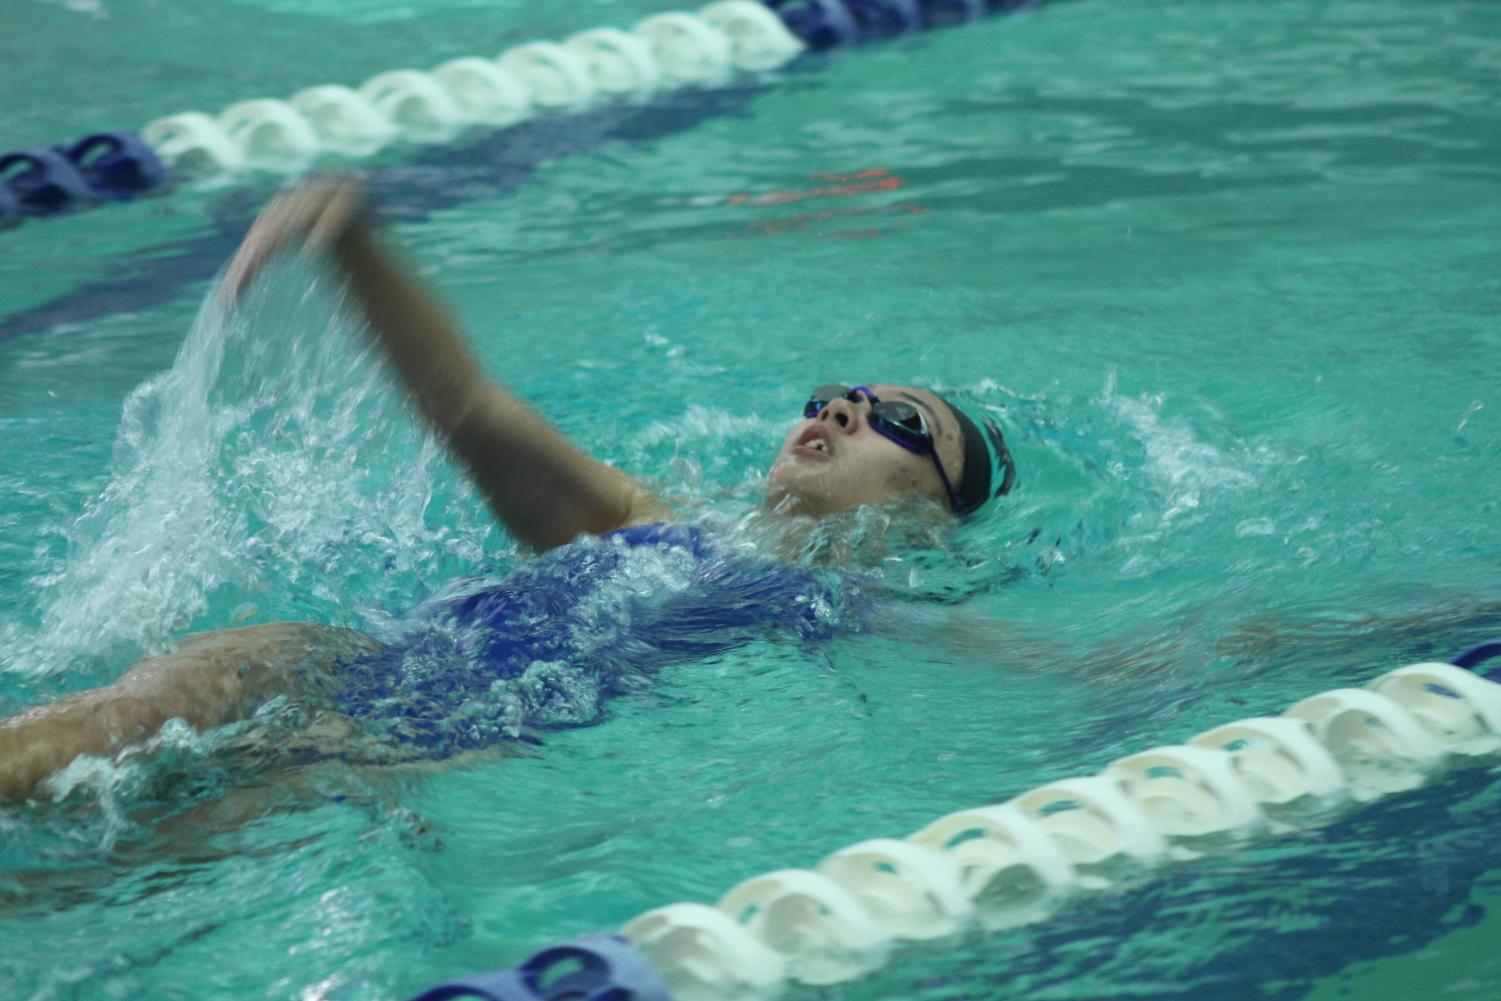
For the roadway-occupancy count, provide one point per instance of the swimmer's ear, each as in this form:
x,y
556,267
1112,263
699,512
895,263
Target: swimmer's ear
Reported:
x,y
314,214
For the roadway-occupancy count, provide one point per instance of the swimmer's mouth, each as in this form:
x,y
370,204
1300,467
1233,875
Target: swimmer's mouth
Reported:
x,y
815,442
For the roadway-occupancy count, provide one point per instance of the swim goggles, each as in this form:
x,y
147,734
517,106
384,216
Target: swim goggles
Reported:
x,y
901,423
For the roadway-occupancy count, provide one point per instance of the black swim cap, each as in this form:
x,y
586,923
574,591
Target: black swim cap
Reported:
x,y
985,455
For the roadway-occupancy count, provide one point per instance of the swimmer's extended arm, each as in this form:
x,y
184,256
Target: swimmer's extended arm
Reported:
x,y
542,487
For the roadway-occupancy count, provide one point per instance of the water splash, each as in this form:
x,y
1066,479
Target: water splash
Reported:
x,y
270,473
1179,464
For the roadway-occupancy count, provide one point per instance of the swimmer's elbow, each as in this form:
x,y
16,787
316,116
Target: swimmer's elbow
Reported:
x,y
641,506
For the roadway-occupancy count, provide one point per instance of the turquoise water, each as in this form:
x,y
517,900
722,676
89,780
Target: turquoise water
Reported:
x,y
1227,271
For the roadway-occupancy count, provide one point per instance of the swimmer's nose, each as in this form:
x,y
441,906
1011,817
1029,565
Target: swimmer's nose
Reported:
x,y
842,414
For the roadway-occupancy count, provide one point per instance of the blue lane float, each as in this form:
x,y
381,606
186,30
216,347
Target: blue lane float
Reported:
x,y
10,209
820,24
588,968
51,180
1472,658
43,181
117,165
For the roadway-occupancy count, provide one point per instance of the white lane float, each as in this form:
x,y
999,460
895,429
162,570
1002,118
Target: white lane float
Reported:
x,y
911,891
344,120
820,928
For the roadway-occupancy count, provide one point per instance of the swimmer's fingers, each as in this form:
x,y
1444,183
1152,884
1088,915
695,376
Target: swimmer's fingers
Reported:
x,y
243,267
314,215
342,209
276,226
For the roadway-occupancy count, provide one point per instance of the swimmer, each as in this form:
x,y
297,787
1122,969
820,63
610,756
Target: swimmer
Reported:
x,y
854,445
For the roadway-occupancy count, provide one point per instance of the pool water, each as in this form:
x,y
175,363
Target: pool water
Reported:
x,y
1226,272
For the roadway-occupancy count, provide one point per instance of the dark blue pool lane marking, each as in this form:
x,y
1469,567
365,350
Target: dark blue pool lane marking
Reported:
x,y
485,167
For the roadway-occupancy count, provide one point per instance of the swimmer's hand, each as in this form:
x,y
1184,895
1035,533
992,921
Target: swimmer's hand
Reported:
x,y
315,215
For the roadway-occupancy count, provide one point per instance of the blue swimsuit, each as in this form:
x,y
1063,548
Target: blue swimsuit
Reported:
x,y
548,642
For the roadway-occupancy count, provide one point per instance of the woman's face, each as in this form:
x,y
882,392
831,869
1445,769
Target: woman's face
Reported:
x,y
836,460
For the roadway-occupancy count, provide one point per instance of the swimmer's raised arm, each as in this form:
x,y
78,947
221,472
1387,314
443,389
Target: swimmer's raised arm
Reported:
x,y
542,487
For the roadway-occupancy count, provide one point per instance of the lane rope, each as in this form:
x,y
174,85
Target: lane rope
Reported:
x,y
660,53
1017,862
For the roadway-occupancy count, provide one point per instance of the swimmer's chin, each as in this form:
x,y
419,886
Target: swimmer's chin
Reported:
x,y
780,500
784,499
